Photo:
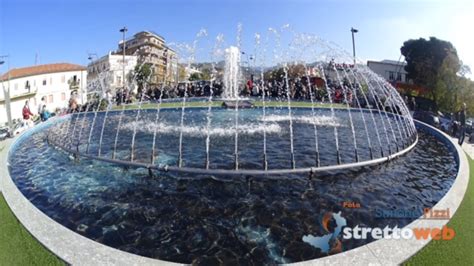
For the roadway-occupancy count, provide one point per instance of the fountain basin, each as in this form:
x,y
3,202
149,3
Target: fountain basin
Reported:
x,y
259,195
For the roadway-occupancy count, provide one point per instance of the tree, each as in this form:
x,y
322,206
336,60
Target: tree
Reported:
x,y
464,70
181,73
294,71
448,85
206,74
195,76
142,76
427,60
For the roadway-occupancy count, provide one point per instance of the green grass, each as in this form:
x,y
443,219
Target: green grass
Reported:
x,y
459,250
17,246
219,103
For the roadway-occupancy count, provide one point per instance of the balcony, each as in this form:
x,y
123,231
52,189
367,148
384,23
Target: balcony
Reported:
x,y
21,96
74,83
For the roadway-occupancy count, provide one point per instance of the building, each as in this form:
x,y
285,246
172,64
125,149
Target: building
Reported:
x,y
152,49
110,69
56,82
392,71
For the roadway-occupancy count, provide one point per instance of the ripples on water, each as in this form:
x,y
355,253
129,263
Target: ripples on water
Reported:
x,y
205,221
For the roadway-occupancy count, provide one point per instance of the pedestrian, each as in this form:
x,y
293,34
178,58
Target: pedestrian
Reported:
x,y
454,125
42,108
27,114
462,122
73,108
108,98
46,114
413,103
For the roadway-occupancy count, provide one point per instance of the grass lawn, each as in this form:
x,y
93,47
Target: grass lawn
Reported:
x,y
459,250
219,103
17,246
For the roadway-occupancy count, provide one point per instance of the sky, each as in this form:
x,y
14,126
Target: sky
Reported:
x,y
52,31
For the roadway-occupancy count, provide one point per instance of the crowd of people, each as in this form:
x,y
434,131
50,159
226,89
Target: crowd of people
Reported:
x,y
299,89
28,115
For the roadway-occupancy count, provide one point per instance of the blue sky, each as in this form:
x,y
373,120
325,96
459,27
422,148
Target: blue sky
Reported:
x,y
66,31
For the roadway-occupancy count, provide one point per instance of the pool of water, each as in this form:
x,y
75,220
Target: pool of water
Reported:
x,y
205,220
335,134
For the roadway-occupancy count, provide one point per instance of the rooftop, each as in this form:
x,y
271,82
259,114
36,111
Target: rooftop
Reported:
x,y
151,33
390,62
40,69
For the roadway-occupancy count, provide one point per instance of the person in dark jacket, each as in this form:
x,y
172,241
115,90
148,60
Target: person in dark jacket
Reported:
x,y
462,122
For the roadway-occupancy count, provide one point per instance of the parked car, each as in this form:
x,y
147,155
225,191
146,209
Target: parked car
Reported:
x,y
4,133
19,128
445,123
427,117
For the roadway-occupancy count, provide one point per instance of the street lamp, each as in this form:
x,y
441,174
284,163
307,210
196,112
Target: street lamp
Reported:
x,y
248,59
123,31
353,44
6,93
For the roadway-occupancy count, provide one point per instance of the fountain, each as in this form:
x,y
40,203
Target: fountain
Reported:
x,y
232,77
191,182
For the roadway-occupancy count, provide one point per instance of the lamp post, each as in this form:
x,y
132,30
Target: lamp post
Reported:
x,y
6,93
353,44
248,59
123,31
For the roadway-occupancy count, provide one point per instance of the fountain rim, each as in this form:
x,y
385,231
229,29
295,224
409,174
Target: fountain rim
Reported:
x,y
267,173
216,171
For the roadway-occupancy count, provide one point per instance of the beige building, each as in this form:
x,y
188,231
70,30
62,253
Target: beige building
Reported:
x,y
55,82
152,49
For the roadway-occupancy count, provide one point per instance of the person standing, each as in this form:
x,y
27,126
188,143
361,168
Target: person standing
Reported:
x,y
462,122
108,98
454,124
41,108
73,107
27,114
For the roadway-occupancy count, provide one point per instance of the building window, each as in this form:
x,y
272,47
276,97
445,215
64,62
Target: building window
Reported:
x,y
16,86
399,76
50,98
44,82
391,75
63,96
27,85
119,80
63,79
406,78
